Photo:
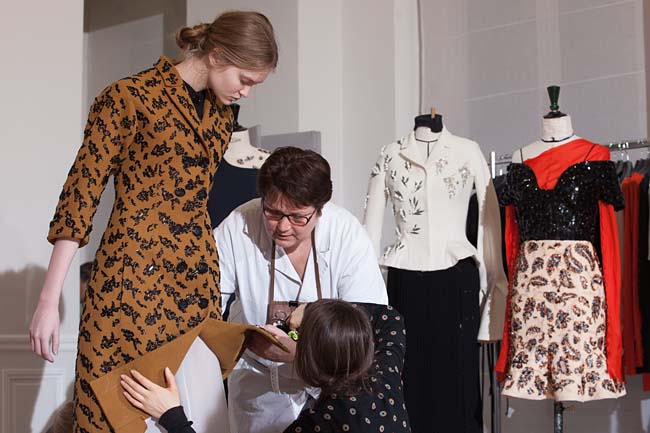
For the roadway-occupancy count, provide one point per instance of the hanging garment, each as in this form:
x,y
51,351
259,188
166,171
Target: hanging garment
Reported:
x,y
429,197
156,272
232,186
643,282
266,396
441,370
632,344
567,193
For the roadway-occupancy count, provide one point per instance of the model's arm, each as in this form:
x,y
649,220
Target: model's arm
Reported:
x,y
44,329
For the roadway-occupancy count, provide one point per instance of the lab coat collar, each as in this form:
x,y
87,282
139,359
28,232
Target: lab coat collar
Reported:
x,y
409,149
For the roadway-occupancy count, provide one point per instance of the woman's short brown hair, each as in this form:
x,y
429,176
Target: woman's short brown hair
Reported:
x,y
336,349
243,39
302,177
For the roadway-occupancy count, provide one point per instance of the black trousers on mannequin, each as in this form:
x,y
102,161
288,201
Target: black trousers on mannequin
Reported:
x,y
441,371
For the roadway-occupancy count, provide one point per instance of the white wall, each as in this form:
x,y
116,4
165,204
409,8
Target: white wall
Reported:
x,y
274,105
487,66
40,129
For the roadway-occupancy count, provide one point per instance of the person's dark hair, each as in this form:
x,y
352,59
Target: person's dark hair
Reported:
x,y
243,39
336,349
62,419
85,271
303,177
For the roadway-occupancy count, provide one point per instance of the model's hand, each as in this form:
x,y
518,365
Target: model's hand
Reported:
x,y
264,348
149,397
44,330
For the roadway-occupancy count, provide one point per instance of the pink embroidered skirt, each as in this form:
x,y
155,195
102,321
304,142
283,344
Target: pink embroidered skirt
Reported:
x,y
558,325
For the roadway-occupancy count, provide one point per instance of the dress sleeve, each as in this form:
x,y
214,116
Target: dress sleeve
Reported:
x,y
376,202
610,188
390,340
110,128
175,421
307,422
493,282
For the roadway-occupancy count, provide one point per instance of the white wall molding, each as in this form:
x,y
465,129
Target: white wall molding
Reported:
x,y
13,342
31,380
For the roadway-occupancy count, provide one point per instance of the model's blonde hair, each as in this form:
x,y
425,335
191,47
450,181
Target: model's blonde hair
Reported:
x,y
242,39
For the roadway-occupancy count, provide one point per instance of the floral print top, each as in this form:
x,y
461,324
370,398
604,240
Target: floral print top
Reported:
x,y
429,197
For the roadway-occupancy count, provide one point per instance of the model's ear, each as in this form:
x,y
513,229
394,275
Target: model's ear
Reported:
x,y
214,58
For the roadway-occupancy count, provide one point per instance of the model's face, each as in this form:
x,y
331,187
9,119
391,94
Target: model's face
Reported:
x,y
283,222
230,83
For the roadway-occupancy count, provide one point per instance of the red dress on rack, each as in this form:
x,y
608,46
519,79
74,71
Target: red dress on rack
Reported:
x,y
632,342
547,167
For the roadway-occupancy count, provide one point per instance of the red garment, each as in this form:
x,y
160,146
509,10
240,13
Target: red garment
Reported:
x,y
632,340
548,166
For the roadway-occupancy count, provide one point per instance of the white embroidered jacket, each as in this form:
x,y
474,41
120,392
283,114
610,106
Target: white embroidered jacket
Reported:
x,y
430,199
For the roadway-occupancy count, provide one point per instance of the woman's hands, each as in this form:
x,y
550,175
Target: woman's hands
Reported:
x,y
264,348
149,397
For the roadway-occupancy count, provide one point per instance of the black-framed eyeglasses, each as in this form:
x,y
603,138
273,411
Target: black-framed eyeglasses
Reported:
x,y
296,220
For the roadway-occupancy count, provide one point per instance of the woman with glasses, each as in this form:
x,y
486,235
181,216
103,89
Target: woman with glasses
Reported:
x,y
290,245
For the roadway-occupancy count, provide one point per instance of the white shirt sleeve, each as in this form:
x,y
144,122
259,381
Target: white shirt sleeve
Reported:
x,y
494,285
223,236
375,203
359,279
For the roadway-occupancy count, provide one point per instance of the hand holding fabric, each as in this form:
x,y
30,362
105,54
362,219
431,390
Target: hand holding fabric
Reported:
x,y
149,397
264,348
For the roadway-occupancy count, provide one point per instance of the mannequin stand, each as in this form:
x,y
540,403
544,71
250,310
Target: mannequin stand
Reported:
x,y
558,417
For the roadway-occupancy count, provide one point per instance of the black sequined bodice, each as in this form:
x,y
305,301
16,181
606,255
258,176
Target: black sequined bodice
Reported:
x,y
569,211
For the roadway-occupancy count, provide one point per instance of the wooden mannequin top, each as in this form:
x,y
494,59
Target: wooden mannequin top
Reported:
x,y
555,132
241,153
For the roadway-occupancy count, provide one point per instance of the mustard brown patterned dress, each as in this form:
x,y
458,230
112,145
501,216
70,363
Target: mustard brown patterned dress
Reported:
x,y
156,272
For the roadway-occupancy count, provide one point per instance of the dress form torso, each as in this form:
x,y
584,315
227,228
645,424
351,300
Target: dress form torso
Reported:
x,y
235,182
241,153
555,132
427,140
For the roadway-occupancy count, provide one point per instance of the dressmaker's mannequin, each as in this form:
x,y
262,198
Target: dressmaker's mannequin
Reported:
x,y
556,130
235,182
436,278
241,153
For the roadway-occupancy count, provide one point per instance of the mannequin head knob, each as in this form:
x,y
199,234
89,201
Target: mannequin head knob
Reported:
x,y
554,96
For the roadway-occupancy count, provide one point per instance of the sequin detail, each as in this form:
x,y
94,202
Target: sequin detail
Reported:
x,y
570,209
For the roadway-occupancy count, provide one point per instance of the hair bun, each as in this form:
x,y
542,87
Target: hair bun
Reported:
x,y
192,38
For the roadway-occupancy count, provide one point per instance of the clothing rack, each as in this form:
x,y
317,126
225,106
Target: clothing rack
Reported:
x,y
498,160
617,146
630,144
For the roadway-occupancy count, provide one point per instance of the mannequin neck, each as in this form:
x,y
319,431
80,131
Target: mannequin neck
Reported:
x,y
557,130
424,133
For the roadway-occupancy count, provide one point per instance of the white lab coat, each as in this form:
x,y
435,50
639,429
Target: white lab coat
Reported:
x,y
265,396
